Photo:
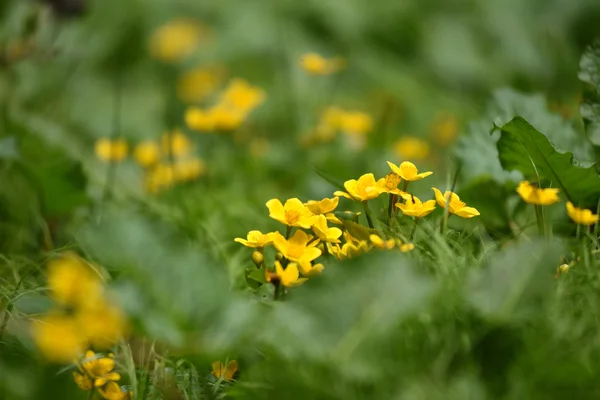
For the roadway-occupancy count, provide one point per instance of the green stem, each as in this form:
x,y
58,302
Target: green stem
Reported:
x,y
288,231
578,234
540,220
390,207
444,222
368,214
414,230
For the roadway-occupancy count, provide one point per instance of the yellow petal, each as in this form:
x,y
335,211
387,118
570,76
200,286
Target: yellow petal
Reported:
x,y
467,212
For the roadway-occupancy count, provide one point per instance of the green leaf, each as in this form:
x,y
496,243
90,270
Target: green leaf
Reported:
x,y
337,183
357,230
589,74
257,275
523,148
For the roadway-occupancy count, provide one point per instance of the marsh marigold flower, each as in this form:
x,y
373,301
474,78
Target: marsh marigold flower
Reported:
x,y
322,206
112,391
315,64
293,213
176,39
147,153
534,195
289,277
197,84
452,202
226,372
356,123
256,239
308,269
298,247
188,169
413,207
325,233
58,338
200,120
445,129
363,189
408,171
349,249
581,216
176,143
111,150
412,148
390,185
100,369
240,95
72,282
102,325
381,244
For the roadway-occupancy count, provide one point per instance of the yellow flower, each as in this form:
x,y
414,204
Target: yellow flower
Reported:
x,y
227,372
289,277
581,216
412,148
534,195
390,185
109,150
146,153
256,239
176,40
363,189
356,122
348,250
112,391
240,95
413,207
406,247
72,282
322,206
82,380
297,247
308,269
58,338
176,143
187,170
227,118
198,83
200,120
103,325
445,129
455,205
160,177
325,233
408,171
315,64
293,213
100,369
381,244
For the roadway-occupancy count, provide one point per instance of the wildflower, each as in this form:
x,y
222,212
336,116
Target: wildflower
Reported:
x,y
58,338
406,247
112,391
111,150
160,177
289,277
227,372
146,153
356,123
563,269
256,239
412,148
322,206
240,95
188,170
325,233
581,216
408,171
308,269
257,258
454,204
293,213
445,129
348,249
72,282
176,40
176,143
315,64
200,120
363,189
100,369
198,83
381,244
413,207
534,195
390,185
227,118
102,325
83,381
297,247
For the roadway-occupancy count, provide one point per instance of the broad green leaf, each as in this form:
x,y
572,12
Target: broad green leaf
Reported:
x,y
523,148
589,73
257,275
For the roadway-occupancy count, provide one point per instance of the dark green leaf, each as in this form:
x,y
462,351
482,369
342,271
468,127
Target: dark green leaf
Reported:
x,y
589,73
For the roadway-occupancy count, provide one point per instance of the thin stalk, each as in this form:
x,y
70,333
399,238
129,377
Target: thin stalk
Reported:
x,y
368,214
288,232
540,220
390,208
414,230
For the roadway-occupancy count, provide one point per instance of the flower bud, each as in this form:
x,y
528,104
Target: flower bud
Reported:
x,y
279,256
257,258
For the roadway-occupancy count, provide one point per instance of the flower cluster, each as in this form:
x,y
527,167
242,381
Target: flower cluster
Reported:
x,y
234,105
82,315
224,371
353,124
298,254
97,372
316,64
537,196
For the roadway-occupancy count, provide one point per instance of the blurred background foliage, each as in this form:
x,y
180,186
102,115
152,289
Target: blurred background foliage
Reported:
x,y
471,318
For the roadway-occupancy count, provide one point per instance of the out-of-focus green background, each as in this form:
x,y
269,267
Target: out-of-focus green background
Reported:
x,y
371,329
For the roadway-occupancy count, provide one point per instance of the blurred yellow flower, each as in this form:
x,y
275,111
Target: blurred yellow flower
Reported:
x,y
176,143
112,391
58,338
293,213
188,169
298,247
256,239
581,216
413,207
445,129
177,39
308,269
240,95
160,177
146,153
381,244
225,372
289,277
103,325
363,189
408,171
82,380
412,148
454,204
356,123
197,84
534,195
111,150
227,118
200,120
406,247
348,249
100,369
322,206
72,282
325,233
315,64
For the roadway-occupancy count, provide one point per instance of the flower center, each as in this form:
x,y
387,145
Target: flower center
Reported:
x,y
292,216
392,180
